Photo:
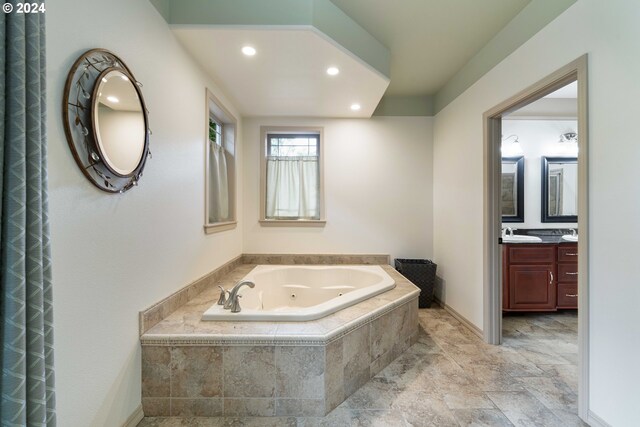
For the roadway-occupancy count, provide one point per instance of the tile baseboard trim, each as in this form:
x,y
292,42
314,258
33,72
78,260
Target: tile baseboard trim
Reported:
x,y
460,318
296,259
595,421
135,418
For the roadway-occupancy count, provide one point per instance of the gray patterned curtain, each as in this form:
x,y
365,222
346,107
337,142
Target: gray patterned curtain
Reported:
x,y
26,331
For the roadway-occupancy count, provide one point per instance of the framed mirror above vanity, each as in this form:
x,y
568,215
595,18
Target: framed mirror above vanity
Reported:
x,y
559,189
512,189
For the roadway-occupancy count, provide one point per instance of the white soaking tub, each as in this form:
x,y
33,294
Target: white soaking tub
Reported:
x,y
303,292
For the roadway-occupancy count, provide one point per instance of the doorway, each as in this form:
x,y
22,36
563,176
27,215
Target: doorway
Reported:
x,y
494,295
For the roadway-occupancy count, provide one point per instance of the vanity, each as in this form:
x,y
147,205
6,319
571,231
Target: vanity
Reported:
x,y
540,276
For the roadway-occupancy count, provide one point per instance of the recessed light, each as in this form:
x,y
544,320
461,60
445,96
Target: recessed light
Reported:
x,y
113,99
104,80
355,107
125,78
248,51
333,71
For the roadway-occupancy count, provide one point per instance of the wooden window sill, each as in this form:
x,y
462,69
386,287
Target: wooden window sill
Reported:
x,y
293,222
220,226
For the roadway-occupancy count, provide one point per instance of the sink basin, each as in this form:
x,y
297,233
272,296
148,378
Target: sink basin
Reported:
x,y
516,238
569,238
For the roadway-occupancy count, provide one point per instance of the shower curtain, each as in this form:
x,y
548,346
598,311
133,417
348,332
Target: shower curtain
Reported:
x,y
26,331
293,187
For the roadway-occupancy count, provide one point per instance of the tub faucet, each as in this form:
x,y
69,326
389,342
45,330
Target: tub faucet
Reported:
x,y
233,302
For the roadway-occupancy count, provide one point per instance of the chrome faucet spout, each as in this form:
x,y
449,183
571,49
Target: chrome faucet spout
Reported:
x,y
232,302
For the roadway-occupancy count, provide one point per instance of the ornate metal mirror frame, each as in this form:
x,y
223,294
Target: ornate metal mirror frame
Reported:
x,y
79,103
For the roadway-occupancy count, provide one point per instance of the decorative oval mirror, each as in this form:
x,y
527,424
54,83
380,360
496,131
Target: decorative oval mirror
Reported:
x,y
106,121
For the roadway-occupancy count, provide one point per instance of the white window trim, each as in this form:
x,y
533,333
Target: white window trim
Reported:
x,y
264,130
223,117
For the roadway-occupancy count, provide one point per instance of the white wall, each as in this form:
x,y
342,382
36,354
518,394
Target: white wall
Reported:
x,y
537,138
115,255
609,33
378,180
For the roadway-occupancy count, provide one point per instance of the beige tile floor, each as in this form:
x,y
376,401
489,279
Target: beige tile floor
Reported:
x,y
451,378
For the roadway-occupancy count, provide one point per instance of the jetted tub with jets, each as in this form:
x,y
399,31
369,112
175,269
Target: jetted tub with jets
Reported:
x,y
298,293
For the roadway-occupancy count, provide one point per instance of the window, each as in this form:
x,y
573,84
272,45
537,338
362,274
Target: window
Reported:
x,y
220,168
292,176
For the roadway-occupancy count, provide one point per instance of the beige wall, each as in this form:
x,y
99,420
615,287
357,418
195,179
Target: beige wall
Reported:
x,y
609,33
114,255
378,180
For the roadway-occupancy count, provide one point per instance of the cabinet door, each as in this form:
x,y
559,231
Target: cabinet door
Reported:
x,y
532,287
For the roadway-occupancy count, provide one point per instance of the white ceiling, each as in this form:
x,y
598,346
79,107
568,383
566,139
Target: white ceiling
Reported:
x,y
430,40
288,75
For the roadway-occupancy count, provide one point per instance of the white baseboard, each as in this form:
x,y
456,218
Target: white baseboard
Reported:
x,y
134,418
595,421
460,318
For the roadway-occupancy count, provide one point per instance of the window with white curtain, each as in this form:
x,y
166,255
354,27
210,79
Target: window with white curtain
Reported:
x,y
292,175
220,168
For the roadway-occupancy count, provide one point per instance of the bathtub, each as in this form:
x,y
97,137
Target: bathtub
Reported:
x,y
303,292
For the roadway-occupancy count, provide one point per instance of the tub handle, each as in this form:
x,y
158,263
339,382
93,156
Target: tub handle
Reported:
x,y
223,295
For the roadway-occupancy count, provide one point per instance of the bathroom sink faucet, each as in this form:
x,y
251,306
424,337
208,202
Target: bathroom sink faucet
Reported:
x,y
508,231
233,302
574,233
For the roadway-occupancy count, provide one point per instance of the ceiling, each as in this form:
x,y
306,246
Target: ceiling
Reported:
x,y
430,40
409,51
287,76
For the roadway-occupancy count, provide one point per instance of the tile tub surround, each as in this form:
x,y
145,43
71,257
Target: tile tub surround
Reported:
x,y
451,378
151,316
201,368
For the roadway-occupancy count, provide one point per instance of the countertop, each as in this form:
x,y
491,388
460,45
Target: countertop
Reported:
x,y
548,236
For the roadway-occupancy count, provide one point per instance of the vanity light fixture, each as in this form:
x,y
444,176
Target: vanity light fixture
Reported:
x,y
510,146
568,144
333,71
569,137
248,51
355,107
113,99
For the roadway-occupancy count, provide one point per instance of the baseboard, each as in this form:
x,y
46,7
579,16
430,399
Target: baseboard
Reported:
x,y
135,418
460,318
595,421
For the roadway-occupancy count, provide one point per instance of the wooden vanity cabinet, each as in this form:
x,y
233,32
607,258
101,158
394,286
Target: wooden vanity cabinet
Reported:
x,y
539,277
530,277
567,276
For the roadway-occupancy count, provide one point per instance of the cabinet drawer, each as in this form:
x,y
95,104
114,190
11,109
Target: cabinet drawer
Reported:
x,y
567,272
567,254
531,254
567,295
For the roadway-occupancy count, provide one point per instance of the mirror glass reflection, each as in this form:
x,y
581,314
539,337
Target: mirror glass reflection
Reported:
x,y
512,189
559,192
119,123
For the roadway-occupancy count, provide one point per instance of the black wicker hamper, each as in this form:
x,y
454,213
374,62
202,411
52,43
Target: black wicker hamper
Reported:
x,y
422,272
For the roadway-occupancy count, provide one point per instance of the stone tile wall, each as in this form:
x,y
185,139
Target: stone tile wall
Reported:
x,y
272,380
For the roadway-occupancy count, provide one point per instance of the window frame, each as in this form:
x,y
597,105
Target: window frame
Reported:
x,y
228,125
265,131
